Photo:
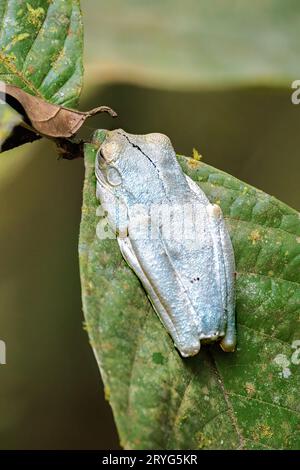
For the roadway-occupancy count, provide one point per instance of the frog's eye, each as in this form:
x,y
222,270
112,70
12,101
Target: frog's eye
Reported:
x,y
108,152
113,176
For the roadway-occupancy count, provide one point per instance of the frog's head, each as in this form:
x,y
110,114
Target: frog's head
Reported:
x,y
130,161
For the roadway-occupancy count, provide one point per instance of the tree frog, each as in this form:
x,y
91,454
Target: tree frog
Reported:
x,y
189,275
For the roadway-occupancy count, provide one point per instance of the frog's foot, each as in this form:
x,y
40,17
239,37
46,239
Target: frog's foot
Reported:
x,y
228,343
191,349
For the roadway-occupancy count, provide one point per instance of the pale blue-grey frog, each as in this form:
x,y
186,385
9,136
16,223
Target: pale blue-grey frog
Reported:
x,y
189,280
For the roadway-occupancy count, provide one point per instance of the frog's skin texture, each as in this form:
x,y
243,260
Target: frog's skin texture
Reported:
x,y
190,282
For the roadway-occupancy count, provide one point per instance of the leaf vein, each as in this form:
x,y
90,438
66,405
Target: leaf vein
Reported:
x,y
231,412
264,402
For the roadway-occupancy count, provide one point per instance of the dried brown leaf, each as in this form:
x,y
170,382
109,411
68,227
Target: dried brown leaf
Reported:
x,y
51,120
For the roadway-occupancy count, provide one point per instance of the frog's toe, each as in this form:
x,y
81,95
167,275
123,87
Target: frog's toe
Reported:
x,y
228,343
189,350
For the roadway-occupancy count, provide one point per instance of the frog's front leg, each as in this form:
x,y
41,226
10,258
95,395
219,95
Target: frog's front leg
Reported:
x,y
226,264
115,210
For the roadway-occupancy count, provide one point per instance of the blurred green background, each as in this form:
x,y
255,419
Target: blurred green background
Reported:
x,y
51,395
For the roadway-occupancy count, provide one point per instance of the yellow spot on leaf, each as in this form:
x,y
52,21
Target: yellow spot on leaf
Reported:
x,y
202,440
250,389
193,163
8,59
254,236
35,15
263,431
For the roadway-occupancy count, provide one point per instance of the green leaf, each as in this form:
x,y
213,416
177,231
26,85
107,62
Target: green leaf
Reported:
x,y
248,399
193,43
41,48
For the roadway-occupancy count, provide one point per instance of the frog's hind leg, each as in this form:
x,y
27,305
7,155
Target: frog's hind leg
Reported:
x,y
186,348
226,265
228,342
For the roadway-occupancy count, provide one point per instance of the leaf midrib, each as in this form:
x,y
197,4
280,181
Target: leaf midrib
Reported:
x,y
231,414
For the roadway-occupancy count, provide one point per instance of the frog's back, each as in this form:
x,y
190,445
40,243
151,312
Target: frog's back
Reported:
x,y
178,245
185,249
